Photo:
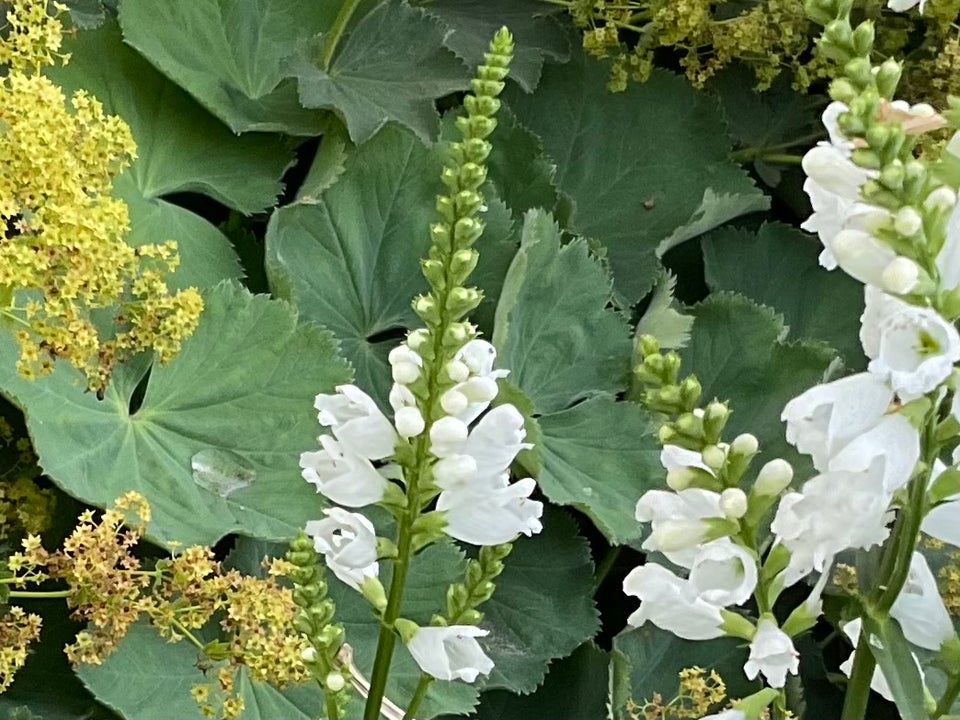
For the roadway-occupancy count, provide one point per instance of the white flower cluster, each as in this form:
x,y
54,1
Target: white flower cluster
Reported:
x,y
864,448
470,468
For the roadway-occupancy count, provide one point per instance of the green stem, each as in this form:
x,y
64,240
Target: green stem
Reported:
x,y
333,712
332,38
41,594
418,696
858,689
754,151
780,158
603,569
946,700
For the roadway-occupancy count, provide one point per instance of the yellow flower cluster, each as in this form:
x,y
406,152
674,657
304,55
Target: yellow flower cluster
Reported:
x,y
24,506
700,692
62,253
110,590
17,630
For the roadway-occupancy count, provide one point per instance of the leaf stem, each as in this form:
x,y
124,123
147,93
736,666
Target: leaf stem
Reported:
x,y
332,38
418,696
40,594
946,700
605,566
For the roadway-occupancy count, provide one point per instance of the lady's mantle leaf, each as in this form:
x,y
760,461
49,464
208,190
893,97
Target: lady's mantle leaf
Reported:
x,y
232,56
642,167
243,385
180,148
392,66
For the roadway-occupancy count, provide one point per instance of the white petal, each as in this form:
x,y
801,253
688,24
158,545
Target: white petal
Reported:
x,y
451,652
666,602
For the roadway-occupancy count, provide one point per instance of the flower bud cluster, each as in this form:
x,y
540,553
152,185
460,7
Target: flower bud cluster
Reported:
x,y
706,524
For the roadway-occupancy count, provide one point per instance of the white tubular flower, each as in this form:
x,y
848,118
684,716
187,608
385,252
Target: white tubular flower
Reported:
x,y
723,574
904,5
943,521
669,512
948,259
405,364
401,397
901,276
834,511
492,516
409,422
772,655
447,436
861,256
479,356
919,608
348,543
666,601
893,441
913,348
878,683
357,422
822,420
495,441
341,476
458,472
450,653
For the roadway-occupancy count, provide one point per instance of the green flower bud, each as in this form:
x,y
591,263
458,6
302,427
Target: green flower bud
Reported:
x,y
372,590
863,38
888,77
426,309
842,90
860,71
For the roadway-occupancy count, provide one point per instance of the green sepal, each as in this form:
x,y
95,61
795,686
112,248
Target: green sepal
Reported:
x,y
427,529
372,590
216,650
406,628
736,625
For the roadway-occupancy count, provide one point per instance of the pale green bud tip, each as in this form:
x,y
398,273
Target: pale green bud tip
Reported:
x,y
745,444
406,628
417,339
736,625
648,345
335,682
372,589
680,478
774,477
673,535
900,276
714,457
733,503
907,221
715,411
942,199
308,655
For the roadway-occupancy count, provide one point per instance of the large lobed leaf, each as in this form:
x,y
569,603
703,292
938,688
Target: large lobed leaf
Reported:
x,y
644,169
237,403
232,55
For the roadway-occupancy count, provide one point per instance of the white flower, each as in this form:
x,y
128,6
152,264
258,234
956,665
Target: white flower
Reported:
x,y
409,422
834,511
943,521
822,420
904,5
447,436
682,465
771,654
405,364
862,256
674,515
893,443
913,348
357,422
348,543
666,601
478,385
948,259
341,476
450,653
401,397
723,573
495,441
919,608
878,682
492,516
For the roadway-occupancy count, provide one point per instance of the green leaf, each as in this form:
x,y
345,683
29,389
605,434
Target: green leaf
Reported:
x,y
181,148
536,34
895,659
600,456
575,688
738,351
351,259
778,267
242,386
232,56
431,572
540,611
147,677
553,328
392,66
636,165
655,657
517,167
661,319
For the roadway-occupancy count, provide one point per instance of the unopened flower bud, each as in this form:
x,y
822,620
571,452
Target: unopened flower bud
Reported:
x,y
405,373
907,221
480,389
334,682
457,371
453,402
417,338
733,503
446,434
773,477
942,199
674,535
900,276
409,422
308,655
745,444
714,457
680,478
